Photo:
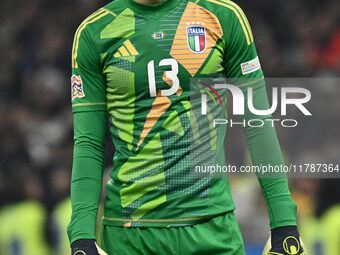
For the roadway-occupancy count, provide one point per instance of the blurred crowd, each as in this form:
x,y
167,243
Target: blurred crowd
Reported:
x,y
295,38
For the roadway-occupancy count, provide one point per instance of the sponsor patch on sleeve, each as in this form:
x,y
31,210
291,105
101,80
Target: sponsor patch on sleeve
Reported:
x,y
77,87
251,66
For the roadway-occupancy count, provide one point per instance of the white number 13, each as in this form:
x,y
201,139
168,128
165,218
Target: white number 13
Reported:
x,y
169,74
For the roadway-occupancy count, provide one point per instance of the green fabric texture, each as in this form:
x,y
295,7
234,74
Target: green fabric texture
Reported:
x,y
113,71
87,173
281,207
204,238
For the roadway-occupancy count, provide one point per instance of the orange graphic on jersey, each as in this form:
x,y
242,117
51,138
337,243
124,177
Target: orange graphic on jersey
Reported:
x,y
195,15
158,108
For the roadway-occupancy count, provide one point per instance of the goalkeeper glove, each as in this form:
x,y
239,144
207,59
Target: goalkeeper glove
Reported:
x,y
86,247
284,241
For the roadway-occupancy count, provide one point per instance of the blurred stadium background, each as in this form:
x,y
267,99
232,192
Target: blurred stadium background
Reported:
x,y
295,38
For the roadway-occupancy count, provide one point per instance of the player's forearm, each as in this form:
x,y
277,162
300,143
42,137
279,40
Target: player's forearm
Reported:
x,y
265,150
87,173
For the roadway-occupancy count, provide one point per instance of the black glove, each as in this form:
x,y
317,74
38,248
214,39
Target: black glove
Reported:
x,y
84,247
286,241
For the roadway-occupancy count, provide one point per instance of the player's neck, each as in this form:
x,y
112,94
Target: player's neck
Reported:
x,y
149,1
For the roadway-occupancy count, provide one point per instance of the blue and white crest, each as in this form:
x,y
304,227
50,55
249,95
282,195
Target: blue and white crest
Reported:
x,y
196,38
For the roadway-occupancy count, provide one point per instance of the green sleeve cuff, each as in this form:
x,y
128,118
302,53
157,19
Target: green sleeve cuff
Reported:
x,y
82,227
282,211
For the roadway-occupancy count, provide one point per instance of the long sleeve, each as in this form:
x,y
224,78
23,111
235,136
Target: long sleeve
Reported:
x,y
87,173
243,68
264,149
89,111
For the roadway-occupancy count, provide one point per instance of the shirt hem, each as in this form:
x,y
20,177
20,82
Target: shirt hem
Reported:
x,y
160,223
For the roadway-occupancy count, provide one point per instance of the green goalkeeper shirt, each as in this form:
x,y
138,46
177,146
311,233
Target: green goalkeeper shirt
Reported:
x,y
135,62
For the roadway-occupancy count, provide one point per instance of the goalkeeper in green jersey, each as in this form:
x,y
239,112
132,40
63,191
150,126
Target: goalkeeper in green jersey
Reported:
x,y
134,60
